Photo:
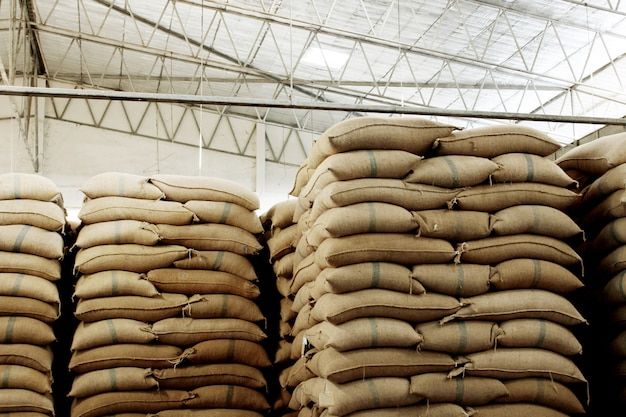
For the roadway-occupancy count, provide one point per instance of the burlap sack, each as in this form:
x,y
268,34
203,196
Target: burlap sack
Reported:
x,y
212,237
26,330
284,266
125,355
24,378
196,376
596,157
539,220
523,167
519,304
210,306
303,320
113,380
543,392
227,396
303,297
116,233
282,285
118,184
188,331
302,177
466,391
428,410
615,290
186,188
229,351
283,241
186,281
359,164
45,215
362,333
492,198
32,240
225,213
523,363
516,410
305,271
283,352
218,261
28,307
343,399
618,345
452,171
215,412
106,209
411,134
112,284
286,313
492,141
493,250
610,237
618,317
362,276
528,333
30,356
112,403
282,401
608,183
453,225
134,258
533,273
339,308
383,247
24,263
284,329
21,285
280,215
296,374
21,401
396,192
457,280
458,337
111,332
18,186
614,262
361,218
341,367
131,307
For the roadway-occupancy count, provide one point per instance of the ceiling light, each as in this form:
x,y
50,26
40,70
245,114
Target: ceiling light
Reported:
x,y
322,57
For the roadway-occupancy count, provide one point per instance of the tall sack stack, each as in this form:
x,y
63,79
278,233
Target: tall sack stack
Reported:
x,y
602,213
353,289
166,299
282,235
32,220
514,266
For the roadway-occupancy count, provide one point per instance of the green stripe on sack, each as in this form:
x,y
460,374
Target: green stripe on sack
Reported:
x,y
460,390
373,164
372,214
113,379
453,170
19,240
536,273
112,331
460,281
462,337
217,263
530,169
17,186
6,377
230,353
541,392
229,395
225,213
224,307
622,286
115,283
542,333
375,274
373,331
17,285
8,333
373,392
117,232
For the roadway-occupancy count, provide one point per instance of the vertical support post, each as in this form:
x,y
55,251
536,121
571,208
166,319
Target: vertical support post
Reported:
x,y
40,117
260,158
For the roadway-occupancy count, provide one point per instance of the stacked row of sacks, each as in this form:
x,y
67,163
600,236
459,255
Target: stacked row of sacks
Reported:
x,y
282,235
430,281
602,212
32,221
168,321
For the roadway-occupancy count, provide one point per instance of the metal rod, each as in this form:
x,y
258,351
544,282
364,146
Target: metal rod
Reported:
x,y
304,105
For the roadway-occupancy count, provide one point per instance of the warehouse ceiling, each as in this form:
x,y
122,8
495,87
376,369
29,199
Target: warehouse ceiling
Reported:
x,y
563,57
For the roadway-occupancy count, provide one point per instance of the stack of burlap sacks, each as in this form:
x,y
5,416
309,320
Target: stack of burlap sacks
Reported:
x,y
168,321
282,235
32,219
602,212
432,286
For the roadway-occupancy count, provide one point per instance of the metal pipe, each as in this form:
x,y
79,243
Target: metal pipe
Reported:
x,y
10,90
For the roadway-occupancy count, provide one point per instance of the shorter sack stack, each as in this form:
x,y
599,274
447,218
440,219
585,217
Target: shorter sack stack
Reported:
x,y
32,220
282,235
602,213
166,299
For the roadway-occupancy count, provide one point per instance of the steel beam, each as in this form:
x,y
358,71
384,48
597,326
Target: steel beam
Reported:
x,y
325,106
